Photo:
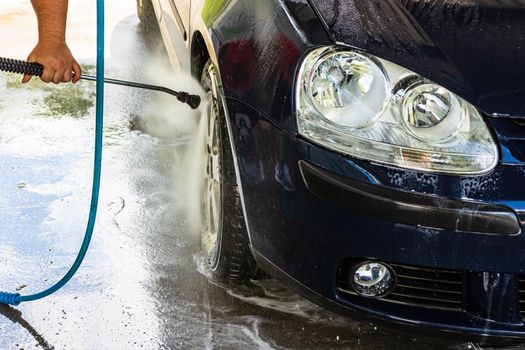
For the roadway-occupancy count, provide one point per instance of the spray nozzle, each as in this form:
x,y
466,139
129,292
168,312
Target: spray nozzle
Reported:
x,y
193,101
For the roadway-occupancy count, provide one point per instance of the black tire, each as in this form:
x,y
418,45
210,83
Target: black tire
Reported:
x,y
146,14
231,260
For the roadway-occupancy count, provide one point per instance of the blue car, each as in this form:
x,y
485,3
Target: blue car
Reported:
x,y
368,153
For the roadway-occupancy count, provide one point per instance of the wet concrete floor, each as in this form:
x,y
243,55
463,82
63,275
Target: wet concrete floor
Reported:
x,y
143,283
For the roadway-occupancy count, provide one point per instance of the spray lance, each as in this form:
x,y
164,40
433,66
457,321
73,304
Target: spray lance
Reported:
x,y
35,69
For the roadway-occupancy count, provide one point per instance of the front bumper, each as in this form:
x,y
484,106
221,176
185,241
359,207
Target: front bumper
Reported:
x,y
410,208
305,227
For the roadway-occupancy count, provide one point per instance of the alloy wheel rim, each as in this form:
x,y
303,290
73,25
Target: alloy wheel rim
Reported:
x,y
212,189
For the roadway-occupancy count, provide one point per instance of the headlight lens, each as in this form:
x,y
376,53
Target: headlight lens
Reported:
x,y
373,109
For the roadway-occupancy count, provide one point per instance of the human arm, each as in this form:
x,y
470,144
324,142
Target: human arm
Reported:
x,y
51,50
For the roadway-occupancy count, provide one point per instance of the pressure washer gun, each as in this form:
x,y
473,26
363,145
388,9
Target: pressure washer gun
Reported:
x,y
36,69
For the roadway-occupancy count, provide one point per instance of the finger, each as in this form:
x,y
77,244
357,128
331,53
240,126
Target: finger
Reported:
x,y
77,72
58,77
67,75
26,78
47,76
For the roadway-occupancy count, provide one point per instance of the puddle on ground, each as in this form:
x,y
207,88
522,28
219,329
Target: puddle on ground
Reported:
x,y
270,294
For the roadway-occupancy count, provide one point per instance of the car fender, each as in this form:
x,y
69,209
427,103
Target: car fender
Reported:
x,y
257,47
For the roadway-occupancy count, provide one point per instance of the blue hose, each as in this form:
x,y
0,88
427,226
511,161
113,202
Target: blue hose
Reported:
x,y
15,298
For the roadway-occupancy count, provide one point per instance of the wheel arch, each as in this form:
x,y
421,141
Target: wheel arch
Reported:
x,y
199,54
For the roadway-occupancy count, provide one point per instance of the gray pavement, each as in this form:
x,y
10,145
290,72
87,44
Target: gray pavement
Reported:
x,y
143,283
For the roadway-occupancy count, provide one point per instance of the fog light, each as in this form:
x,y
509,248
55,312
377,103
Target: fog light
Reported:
x,y
372,279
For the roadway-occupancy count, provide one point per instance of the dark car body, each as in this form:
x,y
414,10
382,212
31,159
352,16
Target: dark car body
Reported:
x,y
455,240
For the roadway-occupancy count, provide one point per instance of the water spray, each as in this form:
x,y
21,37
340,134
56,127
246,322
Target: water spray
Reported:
x,y
35,69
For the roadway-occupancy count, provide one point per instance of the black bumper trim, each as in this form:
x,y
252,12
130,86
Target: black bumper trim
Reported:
x,y
409,208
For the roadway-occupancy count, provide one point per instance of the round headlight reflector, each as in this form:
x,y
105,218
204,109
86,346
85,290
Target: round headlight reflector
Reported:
x,y
348,89
430,112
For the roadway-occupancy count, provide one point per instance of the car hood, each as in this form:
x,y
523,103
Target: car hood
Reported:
x,y
475,48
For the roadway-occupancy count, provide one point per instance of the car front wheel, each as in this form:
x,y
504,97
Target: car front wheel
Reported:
x,y
224,236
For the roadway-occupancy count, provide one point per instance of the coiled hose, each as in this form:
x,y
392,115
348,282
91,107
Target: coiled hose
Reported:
x,y
9,65
20,67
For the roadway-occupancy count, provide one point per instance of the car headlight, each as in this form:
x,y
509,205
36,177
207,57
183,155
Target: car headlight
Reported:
x,y
373,109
